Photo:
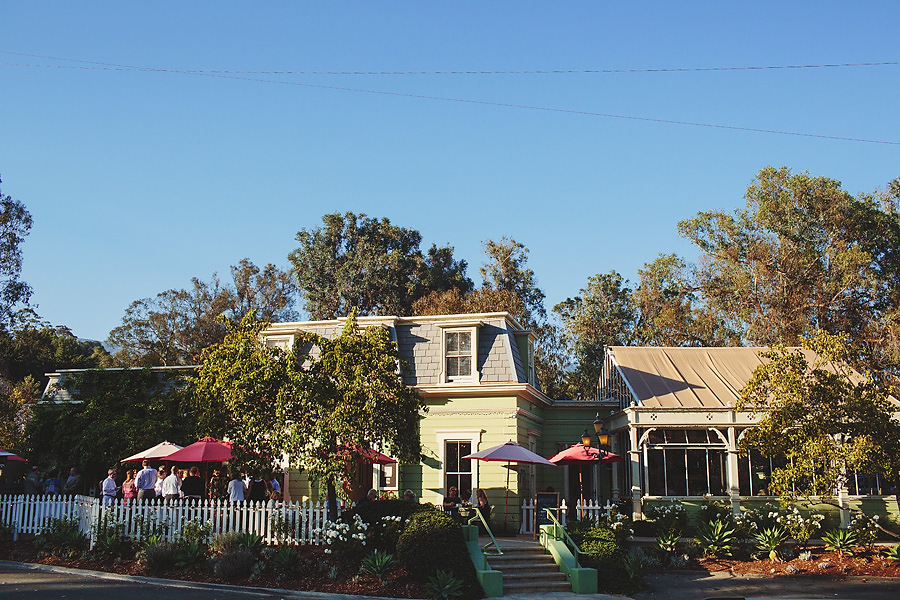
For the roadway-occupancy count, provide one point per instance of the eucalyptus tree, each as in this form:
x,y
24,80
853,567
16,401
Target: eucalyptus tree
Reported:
x,y
15,223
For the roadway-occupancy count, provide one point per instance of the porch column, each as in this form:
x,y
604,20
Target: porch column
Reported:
x,y
634,457
615,491
734,486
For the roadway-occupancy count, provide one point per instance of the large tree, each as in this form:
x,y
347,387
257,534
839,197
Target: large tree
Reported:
x,y
356,262
176,325
804,255
826,418
325,403
15,223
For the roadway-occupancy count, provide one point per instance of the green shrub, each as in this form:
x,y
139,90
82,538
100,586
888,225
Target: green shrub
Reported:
x,y
644,529
893,553
285,559
113,544
433,541
601,550
769,541
385,520
444,586
194,532
670,516
378,565
159,557
189,554
667,543
840,540
866,529
62,538
233,540
232,565
714,510
716,538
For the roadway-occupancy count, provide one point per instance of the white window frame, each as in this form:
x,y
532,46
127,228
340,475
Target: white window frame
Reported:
x,y
474,375
283,342
473,436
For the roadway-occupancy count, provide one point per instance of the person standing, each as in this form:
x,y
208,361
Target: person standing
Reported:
x,y
34,485
217,488
129,491
237,491
171,486
53,484
73,483
192,485
258,490
145,482
160,477
108,488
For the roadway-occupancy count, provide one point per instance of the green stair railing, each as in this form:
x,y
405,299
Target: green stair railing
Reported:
x,y
560,533
495,548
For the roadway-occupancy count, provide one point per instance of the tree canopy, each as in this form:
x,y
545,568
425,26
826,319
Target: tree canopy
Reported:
x,y
325,402
823,416
15,223
356,262
175,326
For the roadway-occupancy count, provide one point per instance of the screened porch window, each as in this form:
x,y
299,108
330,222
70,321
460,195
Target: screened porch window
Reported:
x,y
684,462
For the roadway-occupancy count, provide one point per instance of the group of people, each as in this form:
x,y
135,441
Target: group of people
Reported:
x,y
175,483
35,483
453,502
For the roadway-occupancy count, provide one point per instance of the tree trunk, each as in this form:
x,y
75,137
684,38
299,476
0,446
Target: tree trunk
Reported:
x,y
332,501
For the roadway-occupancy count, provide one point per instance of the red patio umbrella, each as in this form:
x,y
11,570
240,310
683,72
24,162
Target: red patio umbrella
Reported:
x,y
204,450
510,452
158,452
579,454
6,455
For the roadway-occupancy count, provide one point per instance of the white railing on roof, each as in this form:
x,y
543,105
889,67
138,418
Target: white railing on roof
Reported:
x,y
27,514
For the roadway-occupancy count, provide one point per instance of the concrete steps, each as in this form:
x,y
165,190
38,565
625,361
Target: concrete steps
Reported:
x,y
527,569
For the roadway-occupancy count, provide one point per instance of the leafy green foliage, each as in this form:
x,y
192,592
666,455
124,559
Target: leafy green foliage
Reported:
x,y
159,556
15,223
433,541
233,565
667,542
378,565
444,585
716,538
840,540
823,416
189,554
90,431
357,262
893,553
284,559
769,541
232,541
176,325
669,516
62,538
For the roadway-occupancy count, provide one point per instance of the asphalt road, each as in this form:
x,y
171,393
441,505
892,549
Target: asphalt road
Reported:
x,y
22,582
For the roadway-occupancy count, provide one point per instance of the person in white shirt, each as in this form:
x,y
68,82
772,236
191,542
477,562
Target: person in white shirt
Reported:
x,y
108,488
160,477
237,489
171,486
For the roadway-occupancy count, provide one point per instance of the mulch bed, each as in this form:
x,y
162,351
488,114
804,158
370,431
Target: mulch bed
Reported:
x,y
822,563
306,577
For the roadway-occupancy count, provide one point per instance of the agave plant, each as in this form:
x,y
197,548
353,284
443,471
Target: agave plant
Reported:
x,y
378,565
444,585
667,542
840,540
769,541
893,553
715,538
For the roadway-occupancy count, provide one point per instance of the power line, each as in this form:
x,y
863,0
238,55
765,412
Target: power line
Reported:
x,y
494,72
219,75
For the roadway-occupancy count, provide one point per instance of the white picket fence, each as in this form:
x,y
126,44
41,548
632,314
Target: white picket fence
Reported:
x,y
33,514
589,509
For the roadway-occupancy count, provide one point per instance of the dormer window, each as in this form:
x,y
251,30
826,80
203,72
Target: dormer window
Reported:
x,y
458,354
459,351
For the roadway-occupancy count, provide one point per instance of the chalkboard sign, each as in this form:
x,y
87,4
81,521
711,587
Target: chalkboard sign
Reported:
x,y
542,501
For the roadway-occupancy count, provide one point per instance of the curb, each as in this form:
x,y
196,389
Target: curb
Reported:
x,y
177,583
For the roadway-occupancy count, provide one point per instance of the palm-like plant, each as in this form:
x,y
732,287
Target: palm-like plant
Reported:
x,y
715,538
667,542
444,585
840,540
378,565
768,542
893,553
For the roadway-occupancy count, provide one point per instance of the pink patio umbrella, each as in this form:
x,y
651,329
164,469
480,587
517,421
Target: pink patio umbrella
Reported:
x,y
205,450
158,452
7,456
510,452
579,454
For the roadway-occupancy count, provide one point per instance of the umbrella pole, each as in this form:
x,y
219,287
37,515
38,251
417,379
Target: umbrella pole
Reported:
x,y
506,503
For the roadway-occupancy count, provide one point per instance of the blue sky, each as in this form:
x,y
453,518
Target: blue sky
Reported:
x,y
139,180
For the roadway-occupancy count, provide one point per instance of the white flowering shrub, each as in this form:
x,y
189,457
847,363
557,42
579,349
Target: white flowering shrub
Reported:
x,y
668,517
798,526
714,510
344,539
865,528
